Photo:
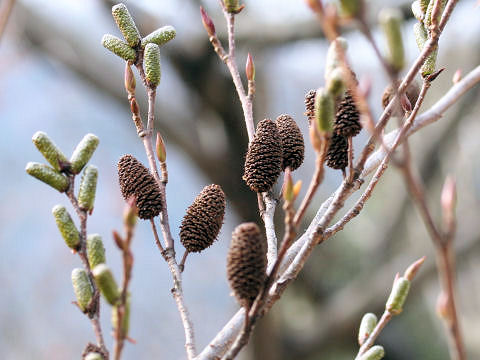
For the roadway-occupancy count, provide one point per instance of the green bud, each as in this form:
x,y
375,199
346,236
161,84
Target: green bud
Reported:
x,y
126,24
398,296
66,226
160,36
83,152
49,150
82,288
368,323
48,175
152,64
324,110
95,250
421,37
118,47
391,22
94,356
88,185
350,8
334,55
335,83
376,352
106,283
126,317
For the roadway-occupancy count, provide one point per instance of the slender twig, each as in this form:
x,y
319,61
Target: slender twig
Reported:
x,y
268,215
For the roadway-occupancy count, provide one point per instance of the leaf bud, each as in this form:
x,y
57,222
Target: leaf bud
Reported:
x,y
368,323
95,250
118,47
288,186
160,36
391,21
82,288
126,24
152,64
413,269
49,150
83,152
376,352
66,226
130,212
48,175
397,297
207,22
106,283
296,189
129,79
250,68
88,186
324,111
160,147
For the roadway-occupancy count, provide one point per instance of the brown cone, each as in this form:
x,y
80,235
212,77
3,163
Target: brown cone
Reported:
x,y
310,105
293,145
136,180
203,220
246,263
263,163
347,119
337,154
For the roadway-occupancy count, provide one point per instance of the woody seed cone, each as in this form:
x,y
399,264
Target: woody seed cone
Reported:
x,y
337,154
347,119
310,105
293,145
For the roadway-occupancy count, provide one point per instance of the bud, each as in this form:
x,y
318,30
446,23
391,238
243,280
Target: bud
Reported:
x,y
350,8
449,201
250,68
391,22
376,352
95,250
126,24
296,189
118,47
457,76
66,226
83,152
152,64
233,6
125,319
88,186
398,295
160,147
335,54
413,269
288,186
130,212
417,10
315,5
324,111
94,356
49,150
82,288
368,323
207,22
106,283
443,308
129,79
160,36
48,175
335,83
315,138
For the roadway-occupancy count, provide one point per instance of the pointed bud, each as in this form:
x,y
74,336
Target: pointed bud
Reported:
x,y
152,64
94,356
95,250
118,240
335,82
413,269
449,201
250,68
106,283
118,47
334,55
376,352
233,6
443,308
125,319
129,79
457,76
296,189
398,295
324,111
417,10
350,8
391,22
288,186
83,152
49,150
160,36
315,138
48,175
207,22
130,212
82,288
368,323
160,147
126,24
88,186
66,226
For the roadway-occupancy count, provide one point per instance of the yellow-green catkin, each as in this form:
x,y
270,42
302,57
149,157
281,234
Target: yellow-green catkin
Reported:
x,y
421,37
398,296
126,24
368,323
49,150
152,64
417,11
376,352
118,47
160,36
335,82
48,175
428,13
324,110
94,356
126,317
106,283
88,186
232,6
334,55
83,152
82,288
350,8
391,22
66,226
95,250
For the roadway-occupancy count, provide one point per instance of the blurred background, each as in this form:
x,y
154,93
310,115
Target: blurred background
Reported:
x,y
56,77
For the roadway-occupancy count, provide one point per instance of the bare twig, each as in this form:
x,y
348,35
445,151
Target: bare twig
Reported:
x,y
268,215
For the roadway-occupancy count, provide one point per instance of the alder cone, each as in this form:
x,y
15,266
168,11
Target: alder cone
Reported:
x,y
337,154
310,105
263,163
136,180
246,263
347,119
203,220
293,146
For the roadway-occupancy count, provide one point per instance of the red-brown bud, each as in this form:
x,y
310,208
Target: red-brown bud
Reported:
x,y
413,269
250,68
129,79
160,147
457,76
207,22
